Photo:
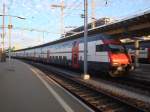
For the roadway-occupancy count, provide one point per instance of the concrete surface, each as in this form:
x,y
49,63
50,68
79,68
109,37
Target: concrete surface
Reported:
x,y
24,88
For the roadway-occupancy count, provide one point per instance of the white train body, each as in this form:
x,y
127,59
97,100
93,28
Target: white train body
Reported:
x,y
144,51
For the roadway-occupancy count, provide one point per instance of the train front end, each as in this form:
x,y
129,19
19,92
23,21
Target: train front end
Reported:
x,y
120,61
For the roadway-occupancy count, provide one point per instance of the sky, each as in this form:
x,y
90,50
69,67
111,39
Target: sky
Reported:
x,y
41,16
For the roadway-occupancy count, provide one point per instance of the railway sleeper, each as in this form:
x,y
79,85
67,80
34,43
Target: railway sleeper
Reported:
x,y
90,98
75,85
105,99
85,95
120,109
102,100
110,107
90,95
81,91
69,87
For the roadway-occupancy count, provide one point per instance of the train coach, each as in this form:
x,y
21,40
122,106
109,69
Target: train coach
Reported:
x,y
144,51
104,53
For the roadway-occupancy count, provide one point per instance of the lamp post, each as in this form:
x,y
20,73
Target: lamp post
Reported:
x,y
9,35
10,27
3,27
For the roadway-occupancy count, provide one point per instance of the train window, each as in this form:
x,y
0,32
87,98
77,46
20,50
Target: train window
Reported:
x,y
60,58
56,57
100,48
80,57
141,48
64,58
116,48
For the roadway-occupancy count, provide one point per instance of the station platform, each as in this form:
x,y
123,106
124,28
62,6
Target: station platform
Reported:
x,y
24,88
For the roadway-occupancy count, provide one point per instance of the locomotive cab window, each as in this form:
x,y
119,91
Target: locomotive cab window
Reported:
x,y
100,48
117,48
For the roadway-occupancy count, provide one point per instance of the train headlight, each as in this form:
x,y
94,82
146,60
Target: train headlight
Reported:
x,y
119,68
115,63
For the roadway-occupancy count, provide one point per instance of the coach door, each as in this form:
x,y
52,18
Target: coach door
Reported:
x,y
75,55
48,55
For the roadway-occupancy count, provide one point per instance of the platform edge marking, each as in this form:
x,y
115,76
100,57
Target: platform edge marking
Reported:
x,y
71,95
58,98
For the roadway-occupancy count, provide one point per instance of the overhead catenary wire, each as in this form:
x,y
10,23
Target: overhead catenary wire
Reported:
x,y
75,5
71,10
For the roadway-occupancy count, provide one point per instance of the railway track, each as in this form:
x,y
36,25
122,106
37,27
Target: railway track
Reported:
x,y
129,83
134,85
95,99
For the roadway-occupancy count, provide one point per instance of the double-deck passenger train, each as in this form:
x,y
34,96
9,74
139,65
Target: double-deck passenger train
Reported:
x,y
104,54
144,51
